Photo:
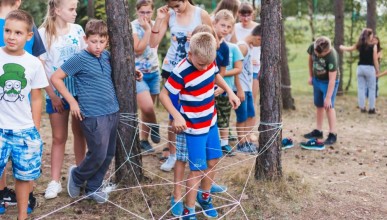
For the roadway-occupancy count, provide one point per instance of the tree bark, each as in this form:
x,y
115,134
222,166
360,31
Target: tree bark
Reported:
x,y
286,89
371,14
268,164
311,18
339,38
122,61
90,9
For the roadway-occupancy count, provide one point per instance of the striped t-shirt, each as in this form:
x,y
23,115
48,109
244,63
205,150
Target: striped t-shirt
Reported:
x,y
93,83
196,95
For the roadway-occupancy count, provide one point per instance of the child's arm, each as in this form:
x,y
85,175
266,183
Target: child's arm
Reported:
x,y
348,48
240,92
237,69
56,101
179,124
331,87
36,106
234,100
310,66
382,74
160,27
57,81
376,59
141,44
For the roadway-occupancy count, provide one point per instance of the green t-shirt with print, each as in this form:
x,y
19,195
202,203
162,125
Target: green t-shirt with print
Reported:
x,y
323,65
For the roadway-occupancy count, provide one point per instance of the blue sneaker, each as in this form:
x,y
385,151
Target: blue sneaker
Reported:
x,y
215,188
204,201
31,203
243,148
188,216
313,144
177,207
287,143
2,207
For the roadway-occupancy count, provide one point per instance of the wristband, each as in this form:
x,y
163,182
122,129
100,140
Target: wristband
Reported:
x,y
155,32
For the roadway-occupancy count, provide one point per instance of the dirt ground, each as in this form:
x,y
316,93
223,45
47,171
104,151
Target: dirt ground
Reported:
x,y
345,181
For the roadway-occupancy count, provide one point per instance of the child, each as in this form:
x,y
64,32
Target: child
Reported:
x,y
35,47
246,112
181,20
148,63
96,104
62,40
324,77
193,79
21,74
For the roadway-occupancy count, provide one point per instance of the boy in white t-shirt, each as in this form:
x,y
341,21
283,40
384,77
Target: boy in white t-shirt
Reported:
x,y
21,74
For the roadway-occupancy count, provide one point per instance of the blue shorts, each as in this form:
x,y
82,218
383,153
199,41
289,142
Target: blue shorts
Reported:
x,y
51,110
202,148
255,75
175,102
25,148
320,88
181,147
246,108
150,82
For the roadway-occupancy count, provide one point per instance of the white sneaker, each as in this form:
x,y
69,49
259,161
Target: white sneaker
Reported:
x,y
168,164
53,189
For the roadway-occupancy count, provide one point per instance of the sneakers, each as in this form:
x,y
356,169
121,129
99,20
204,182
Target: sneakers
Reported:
x,y
53,189
177,208
204,201
146,147
155,133
2,207
247,148
287,143
314,134
313,144
9,197
363,110
31,203
72,189
168,164
215,188
253,148
227,150
98,196
332,138
187,215
371,111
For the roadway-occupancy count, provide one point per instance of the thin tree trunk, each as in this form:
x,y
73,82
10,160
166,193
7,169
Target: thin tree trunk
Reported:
x,y
286,88
339,38
122,61
268,164
371,14
311,18
90,9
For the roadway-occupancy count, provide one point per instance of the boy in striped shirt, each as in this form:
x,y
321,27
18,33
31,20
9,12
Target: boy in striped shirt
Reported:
x,y
194,79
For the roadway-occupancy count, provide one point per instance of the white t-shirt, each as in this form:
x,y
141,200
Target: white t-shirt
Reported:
x,y
241,33
18,75
62,49
246,77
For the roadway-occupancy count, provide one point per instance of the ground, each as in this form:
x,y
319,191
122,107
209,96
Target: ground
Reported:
x,y
346,181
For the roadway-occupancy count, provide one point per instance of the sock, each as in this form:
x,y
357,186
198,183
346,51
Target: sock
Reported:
x,y
189,210
173,156
204,195
223,142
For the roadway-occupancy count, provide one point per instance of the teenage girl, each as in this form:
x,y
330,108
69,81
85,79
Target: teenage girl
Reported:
x,y
62,39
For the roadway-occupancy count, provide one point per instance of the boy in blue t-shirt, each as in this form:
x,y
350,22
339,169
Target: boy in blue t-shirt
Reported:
x,y
97,105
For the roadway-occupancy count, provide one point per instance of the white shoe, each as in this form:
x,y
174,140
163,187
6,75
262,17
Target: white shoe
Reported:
x,y
53,189
168,164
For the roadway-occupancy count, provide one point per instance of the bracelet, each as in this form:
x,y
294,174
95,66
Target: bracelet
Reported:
x,y
155,32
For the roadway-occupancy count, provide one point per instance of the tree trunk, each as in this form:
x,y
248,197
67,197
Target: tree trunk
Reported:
x,y
311,18
90,9
268,164
339,38
122,61
371,14
286,88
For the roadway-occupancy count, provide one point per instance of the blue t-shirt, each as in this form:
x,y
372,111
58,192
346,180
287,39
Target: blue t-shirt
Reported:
x,y
234,56
222,55
34,46
93,83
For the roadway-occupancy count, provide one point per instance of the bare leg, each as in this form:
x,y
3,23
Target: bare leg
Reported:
x,y
148,115
22,192
3,181
241,131
193,182
178,174
320,117
208,179
331,115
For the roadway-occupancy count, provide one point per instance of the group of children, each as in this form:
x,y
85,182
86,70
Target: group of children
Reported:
x,y
205,77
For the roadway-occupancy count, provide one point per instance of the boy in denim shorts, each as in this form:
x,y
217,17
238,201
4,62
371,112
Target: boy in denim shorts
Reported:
x,y
193,80
21,75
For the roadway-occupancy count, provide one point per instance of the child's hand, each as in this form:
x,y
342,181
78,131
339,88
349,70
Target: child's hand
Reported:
x,y
189,35
310,81
327,103
218,91
75,110
144,23
234,100
162,12
179,124
139,75
241,95
57,103
381,74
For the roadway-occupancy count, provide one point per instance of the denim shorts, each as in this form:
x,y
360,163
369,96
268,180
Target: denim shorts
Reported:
x,y
320,88
246,108
24,147
202,148
150,82
51,110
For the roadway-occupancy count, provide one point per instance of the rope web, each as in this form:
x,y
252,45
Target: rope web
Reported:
x,y
231,201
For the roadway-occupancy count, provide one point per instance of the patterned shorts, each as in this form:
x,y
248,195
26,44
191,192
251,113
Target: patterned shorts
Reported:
x,y
181,147
223,111
24,147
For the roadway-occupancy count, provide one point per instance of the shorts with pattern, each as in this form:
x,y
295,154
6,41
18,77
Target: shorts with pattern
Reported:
x,y
181,147
24,147
223,111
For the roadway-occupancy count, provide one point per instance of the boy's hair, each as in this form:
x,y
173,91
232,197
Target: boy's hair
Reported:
x,y
141,3
96,27
225,15
231,5
245,8
203,45
203,28
322,44
7,3
23,16
257,31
